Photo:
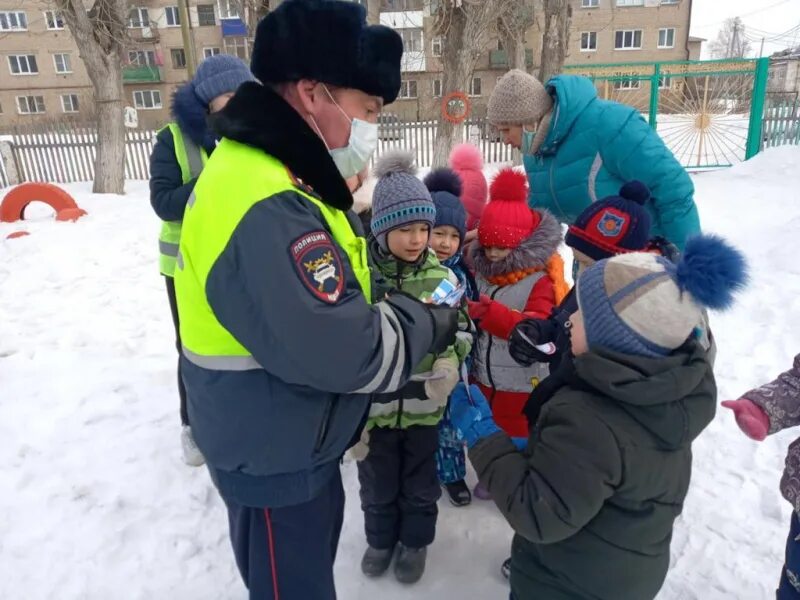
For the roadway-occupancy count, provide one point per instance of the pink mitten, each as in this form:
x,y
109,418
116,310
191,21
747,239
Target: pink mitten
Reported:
x,y
753,421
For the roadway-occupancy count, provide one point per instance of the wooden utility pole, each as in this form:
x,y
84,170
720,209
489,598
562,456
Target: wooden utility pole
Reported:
x,y
188,40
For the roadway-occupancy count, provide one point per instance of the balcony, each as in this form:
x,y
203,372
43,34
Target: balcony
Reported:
x,y
141,74
498,59
143,32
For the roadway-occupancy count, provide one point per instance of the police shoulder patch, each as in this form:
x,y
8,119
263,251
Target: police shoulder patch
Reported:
x,y
319,265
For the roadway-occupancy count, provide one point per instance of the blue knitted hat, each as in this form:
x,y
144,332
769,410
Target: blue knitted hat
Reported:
x,y
218,75
613,225
445,188
399,198
642,304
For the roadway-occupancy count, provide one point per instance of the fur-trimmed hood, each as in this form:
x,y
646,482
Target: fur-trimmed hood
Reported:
x,y
534,251
191,115
259,117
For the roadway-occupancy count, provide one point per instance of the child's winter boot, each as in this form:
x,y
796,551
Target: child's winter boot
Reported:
x,y
410,564
458,492
375,561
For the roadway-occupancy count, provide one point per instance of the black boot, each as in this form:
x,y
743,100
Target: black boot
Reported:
x,y
458,492
410,564
375,561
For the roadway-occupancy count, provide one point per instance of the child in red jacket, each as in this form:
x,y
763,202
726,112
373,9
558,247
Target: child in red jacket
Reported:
x,y
520,275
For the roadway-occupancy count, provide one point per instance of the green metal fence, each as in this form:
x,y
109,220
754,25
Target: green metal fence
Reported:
x,y
709,113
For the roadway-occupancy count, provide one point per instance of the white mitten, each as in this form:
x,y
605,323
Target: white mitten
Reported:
x,y
439,389
361,449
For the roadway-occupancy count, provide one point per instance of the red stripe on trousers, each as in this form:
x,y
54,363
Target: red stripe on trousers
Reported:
x,y
271,543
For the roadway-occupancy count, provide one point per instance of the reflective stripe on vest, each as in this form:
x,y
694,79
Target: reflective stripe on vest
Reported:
x,y
506,374
222,197
191,159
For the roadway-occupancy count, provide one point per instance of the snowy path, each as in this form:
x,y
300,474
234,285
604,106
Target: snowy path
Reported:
x,y
96,504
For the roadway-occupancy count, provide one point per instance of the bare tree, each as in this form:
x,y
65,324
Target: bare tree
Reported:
x,y
466,26
101,36
555,42
374,12
731,40
512,27
251,12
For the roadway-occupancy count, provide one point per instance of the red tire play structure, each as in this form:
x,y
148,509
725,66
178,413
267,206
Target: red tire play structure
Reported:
x,y
14,204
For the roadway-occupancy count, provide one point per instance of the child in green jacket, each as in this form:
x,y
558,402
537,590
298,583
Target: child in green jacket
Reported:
x,y
594,496
399,483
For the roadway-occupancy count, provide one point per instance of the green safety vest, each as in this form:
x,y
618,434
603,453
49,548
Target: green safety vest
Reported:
x,y
191,159
239,177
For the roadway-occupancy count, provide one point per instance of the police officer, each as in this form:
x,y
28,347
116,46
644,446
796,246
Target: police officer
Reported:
x,y
284,336
181,150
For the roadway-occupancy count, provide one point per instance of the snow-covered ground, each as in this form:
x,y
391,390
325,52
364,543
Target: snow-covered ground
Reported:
x,y
95,502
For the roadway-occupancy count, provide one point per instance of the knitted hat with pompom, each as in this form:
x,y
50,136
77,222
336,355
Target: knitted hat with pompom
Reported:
x,y
467,161
445,188
507,219
644,305
399,198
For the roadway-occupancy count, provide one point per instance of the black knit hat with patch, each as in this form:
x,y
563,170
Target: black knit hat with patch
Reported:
x,y
328,41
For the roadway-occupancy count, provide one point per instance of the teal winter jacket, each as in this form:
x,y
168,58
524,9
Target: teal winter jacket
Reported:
x,y
593,147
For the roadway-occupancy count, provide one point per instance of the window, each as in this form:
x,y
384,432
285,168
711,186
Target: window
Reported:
x,y
666,38
475,86
69,103
589,41
237,46
207,52
412,40
437,88
15,20
178,58
670,1
630,2
29,105
664,82
53,19
590,3
23,64
437,46
138,18
227,10
627,84
205,15
141,58
63,63
629,39
147,99
408,89
173,16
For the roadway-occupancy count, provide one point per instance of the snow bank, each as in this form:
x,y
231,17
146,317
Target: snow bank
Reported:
x,y
96,503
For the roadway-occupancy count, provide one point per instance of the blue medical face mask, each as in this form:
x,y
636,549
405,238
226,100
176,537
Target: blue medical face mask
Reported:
x,y
527,140
353,158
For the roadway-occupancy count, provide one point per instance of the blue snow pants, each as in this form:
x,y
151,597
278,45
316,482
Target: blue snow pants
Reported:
x,y
789,588
287,553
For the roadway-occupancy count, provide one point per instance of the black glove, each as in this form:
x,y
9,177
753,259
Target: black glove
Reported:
x,y
537,332
445,326
443,319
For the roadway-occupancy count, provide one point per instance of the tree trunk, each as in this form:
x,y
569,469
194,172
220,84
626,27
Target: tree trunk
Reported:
x,y
100,35
109,166
512,26
557,17
374,12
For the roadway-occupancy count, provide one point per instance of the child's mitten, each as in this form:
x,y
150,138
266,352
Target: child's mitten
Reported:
x,y
753,421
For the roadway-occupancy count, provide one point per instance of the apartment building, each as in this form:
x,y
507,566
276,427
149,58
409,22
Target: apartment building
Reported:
x,y
602,32
43,78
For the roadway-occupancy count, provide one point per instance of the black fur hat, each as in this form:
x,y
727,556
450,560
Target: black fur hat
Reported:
x,y
328,41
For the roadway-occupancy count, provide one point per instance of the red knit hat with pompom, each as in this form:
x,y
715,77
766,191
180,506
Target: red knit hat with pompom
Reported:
x,y
507,220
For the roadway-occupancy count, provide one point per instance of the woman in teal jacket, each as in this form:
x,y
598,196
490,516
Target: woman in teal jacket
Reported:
x,y
578,148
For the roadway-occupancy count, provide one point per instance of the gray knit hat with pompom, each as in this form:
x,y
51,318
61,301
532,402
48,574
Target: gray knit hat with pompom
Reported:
x,y
399,198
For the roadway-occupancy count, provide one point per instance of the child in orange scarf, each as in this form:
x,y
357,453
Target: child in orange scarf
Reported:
x,y
520,275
